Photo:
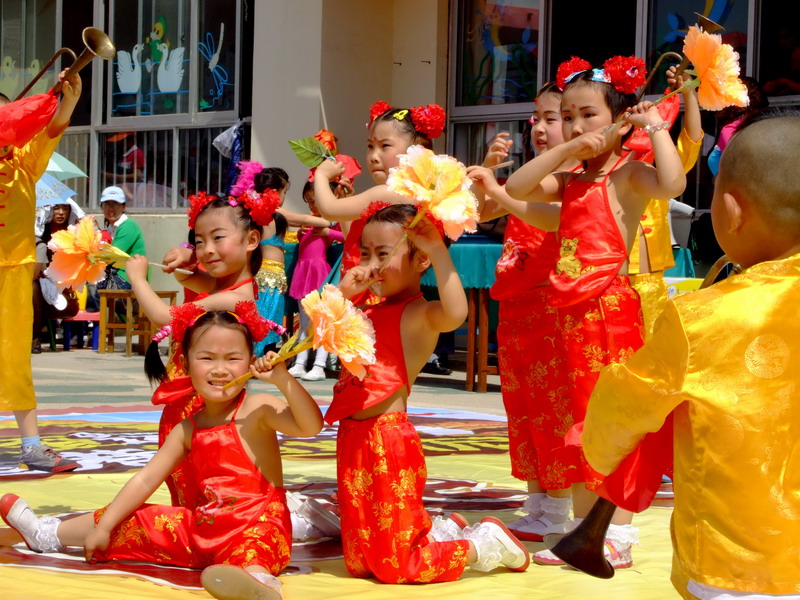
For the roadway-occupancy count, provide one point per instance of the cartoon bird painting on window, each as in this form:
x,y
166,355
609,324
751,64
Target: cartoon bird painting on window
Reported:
x,y
211,52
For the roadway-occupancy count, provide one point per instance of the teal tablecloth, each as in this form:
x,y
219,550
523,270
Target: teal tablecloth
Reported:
x,y
475,258
684,265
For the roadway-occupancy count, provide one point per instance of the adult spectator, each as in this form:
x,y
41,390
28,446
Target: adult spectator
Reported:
x,y
123,232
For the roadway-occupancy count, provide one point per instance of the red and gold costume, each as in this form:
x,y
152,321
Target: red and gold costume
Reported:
x,y
181,402
381,472
19,173
240,518
532,369
599,315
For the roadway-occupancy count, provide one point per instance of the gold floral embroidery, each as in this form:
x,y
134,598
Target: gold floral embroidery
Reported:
x,y
168,522
569,264
358,484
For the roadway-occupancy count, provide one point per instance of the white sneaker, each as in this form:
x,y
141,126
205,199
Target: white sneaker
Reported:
x,y
448,529
227,582
496,546
40,535
297,370
317,373
310,519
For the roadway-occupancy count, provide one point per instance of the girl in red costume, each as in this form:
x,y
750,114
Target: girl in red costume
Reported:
x,y
391,132
532,372
225,235
240,531
599,314
386,532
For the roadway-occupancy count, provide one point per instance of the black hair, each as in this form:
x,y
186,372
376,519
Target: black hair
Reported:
x,y
757,101
308,186
153,366
618,102
400,215
773,112
273,178
4,99
243,218
527,131
401,117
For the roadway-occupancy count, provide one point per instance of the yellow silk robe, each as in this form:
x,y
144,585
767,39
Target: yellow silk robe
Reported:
x,y
726,359
18,176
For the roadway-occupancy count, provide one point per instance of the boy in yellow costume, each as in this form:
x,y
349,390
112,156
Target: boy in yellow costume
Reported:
x,y
725,360
20,169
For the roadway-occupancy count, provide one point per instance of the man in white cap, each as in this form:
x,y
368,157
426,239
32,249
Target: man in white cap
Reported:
x,y
123,232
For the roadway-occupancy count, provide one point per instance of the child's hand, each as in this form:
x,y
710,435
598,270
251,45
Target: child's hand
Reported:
x,y
329,170
359,279
263,370
71,88
345,188
484,179
643,114
97,539
676,81
426,237
178,257
136,268
498,149
589,144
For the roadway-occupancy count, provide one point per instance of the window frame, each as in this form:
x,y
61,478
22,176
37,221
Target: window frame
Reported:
x,y
193,116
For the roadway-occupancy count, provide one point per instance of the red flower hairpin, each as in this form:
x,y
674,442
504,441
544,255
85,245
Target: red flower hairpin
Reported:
x,y
262,206
568,68
197,202
376,110
428,120
373,208
626,73
246,313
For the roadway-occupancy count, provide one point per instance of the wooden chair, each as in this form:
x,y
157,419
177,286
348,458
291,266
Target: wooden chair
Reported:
x,y
135,322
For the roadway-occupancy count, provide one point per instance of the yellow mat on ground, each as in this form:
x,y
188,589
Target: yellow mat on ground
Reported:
x,y
647,580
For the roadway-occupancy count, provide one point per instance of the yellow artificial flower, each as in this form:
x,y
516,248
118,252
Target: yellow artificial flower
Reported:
x,y
440,183
73,250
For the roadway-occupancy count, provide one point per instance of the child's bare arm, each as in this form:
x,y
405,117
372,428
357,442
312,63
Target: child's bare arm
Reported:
x,y
691,108
450,310
140,487
534,181
301,417
299,220
154,307
351,207
541,215
70,93
667,179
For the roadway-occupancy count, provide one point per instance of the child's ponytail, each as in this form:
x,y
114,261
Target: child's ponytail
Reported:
x,y
153,366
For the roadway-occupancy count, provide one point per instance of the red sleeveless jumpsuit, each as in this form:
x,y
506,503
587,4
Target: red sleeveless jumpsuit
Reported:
x,y
240,518
599,314
180,402
381,472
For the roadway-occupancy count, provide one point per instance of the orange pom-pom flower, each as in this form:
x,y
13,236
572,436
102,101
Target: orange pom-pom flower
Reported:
x,y
717,68
339,327
75,251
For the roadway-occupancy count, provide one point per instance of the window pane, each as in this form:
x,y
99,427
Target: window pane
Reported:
x,y
141,164
779,58
216,66
471,140
74,20
150,71
499,42
592,31
670,19
26,44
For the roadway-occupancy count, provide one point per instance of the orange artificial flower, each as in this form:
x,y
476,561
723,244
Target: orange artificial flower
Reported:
x,y
74,255
440,183
327,139
717,68
340,328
